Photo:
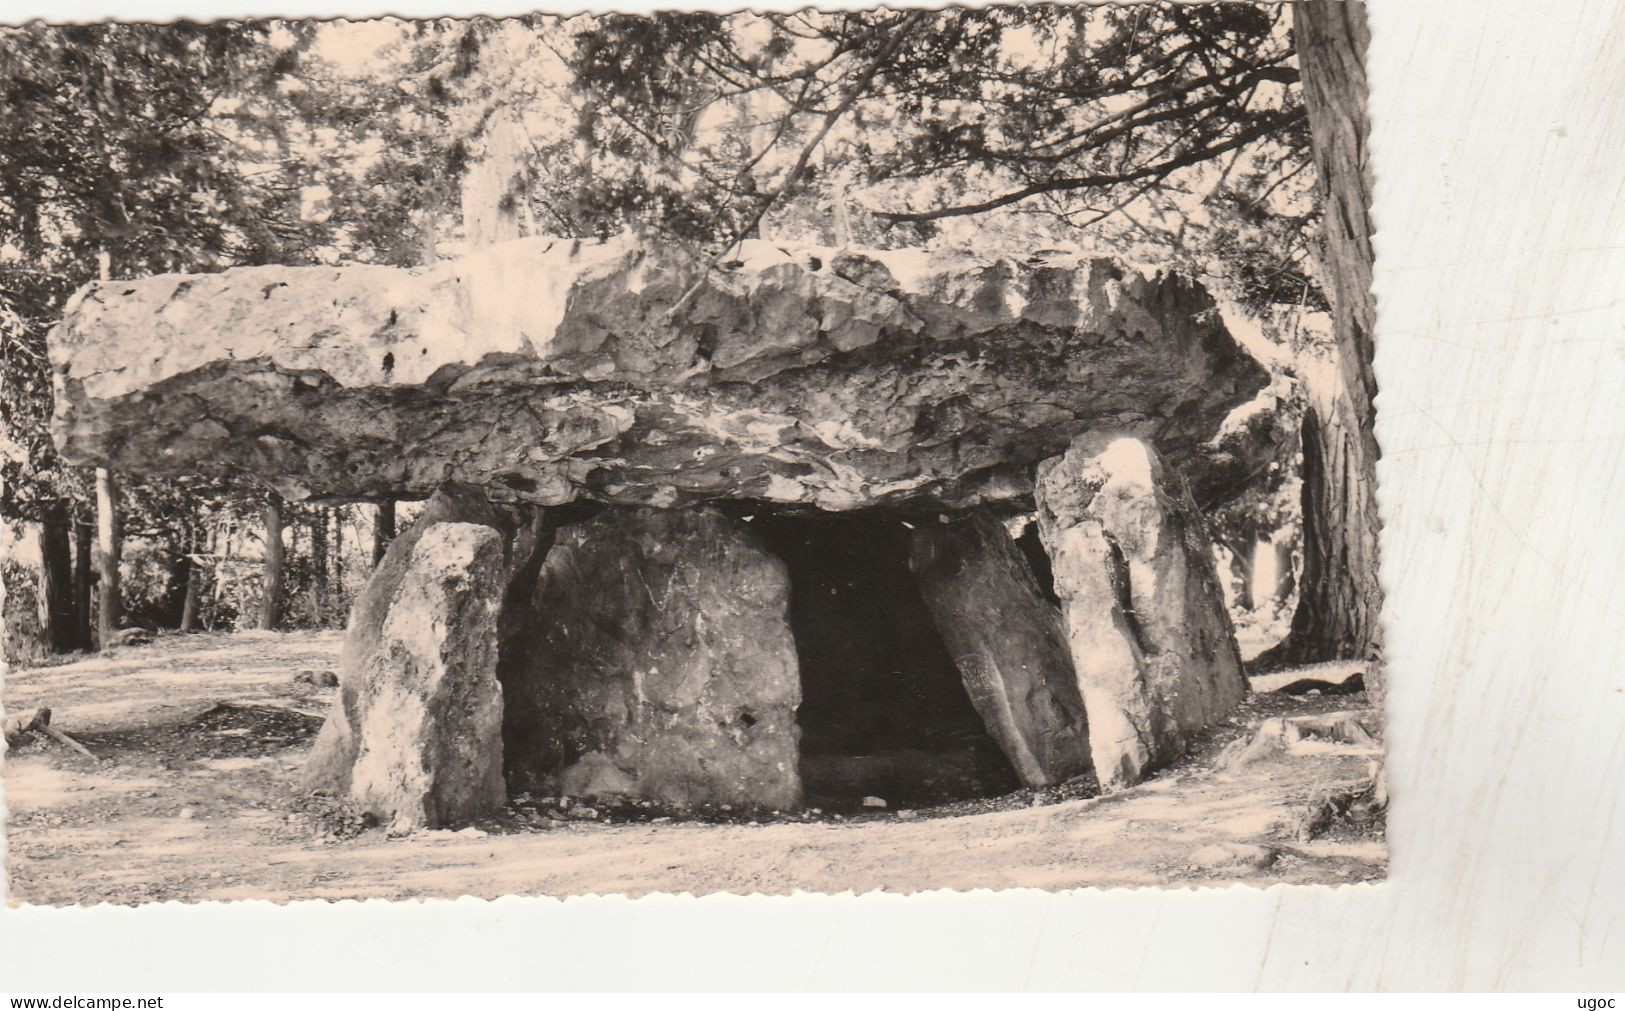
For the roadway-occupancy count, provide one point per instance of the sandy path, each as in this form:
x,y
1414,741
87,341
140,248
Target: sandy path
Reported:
x,y
196,807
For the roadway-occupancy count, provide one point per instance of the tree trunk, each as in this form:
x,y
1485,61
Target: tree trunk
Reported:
x,y
1339,596
194,577
318,564
271,598
192,571
109,604
84,536
383,530
56,577
338,553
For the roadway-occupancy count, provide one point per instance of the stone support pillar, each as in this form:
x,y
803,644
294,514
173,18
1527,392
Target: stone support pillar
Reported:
x,y
1151,642
1008,642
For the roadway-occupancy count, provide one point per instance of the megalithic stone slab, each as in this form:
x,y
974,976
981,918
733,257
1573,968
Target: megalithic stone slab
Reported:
x,y
428,712
662,664
1007,640
332,761
1151,642
547,370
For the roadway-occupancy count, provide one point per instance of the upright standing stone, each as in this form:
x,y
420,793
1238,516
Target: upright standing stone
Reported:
x,y
421,646
431,715
662,664
1008,642
1151,642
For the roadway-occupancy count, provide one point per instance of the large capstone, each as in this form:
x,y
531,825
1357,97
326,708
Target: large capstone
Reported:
x,y
417,740
660,664
1008,642
545,371
1151,642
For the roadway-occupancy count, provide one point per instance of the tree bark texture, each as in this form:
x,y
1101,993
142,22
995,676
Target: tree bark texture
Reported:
x,y
1340,596
56,575
109,603
338,553
194,577
84,578
190,569
318,564
271,599
383,530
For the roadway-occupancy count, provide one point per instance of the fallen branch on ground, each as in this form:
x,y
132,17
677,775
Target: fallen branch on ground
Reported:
x,y
16,726
39,720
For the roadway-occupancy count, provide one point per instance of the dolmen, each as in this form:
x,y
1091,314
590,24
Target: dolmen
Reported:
x,y
582,607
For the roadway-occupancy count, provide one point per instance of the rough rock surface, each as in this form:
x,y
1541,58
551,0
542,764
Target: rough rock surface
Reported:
x,y
546,370
1008,642
661,664
1152,644
424,707
334,756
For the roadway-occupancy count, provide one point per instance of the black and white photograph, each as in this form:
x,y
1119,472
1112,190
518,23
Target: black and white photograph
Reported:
x,y
1047,497
690,452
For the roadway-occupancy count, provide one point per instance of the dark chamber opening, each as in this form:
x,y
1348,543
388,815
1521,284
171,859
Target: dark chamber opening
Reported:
x,y
884,712
1032,548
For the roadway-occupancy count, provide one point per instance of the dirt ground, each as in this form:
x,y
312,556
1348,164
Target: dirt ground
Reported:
x,y
199,741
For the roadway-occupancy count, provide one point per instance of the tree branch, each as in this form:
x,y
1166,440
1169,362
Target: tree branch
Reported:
x,y
852,95
1246,136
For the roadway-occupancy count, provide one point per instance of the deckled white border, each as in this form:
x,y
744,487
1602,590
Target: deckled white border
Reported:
x,y
1499,127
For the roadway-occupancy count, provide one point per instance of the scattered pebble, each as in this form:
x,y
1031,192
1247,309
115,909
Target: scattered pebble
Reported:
x,y
875,802
187,814
471,833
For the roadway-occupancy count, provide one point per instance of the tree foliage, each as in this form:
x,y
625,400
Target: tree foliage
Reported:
x,y
132,150
114,155
1175,132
